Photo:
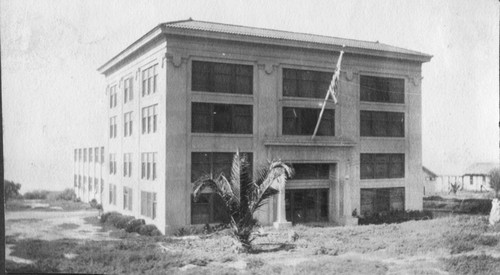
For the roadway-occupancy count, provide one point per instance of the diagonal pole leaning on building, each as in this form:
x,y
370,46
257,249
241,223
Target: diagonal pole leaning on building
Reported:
x,y
331,91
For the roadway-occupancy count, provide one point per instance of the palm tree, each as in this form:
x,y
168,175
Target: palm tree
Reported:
x,y
243,196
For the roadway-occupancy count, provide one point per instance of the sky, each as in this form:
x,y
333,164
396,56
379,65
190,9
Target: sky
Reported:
x,y
53,98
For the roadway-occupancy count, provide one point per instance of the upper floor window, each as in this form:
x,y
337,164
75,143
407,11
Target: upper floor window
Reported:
x,y
221,118
148,166
208,163
311,171
149,77
302,121
127,165
382,89
128,90
85,155
76,152
102,154
382,124
127,124
127,198
80,154
222,78
112,164
90,155
112,194
112,127
149,119
382,166
112,97
303,83
96,155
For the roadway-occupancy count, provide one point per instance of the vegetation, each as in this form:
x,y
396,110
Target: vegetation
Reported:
x,y
454,187
243,195
129,224
11,190
495,181
397,216
68,195
36,195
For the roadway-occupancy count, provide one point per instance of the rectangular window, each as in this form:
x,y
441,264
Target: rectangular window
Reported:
x,y
377,200
80,154
90,155
209,208
112,164
112,127
382,124
127,124
127,198
221,118
212,164
127,165
148,166
303,83
301,121
112,97
149,79
75,180
102,155
311,171
75,157
222,78
149,119
382,89
306,205
112,194
148,204
382,166
96,155
85,155
128,91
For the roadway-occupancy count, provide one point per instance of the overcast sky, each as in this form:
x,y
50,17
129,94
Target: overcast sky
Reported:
x,y
53,97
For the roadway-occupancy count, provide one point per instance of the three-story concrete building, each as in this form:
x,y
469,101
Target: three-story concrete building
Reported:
x,y
188,94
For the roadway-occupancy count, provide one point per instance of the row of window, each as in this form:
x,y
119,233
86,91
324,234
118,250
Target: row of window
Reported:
x,y
238,79
149,122
148,165
149,86
94,154
80,181
148,200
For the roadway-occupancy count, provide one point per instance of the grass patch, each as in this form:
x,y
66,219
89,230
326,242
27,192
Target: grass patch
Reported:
x,y
476,264
68,226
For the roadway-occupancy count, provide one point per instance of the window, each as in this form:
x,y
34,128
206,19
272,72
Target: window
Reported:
x,y
207,163
112,97
90,155
90,184
127,198
377,200
128,90
221,118
112,194
382,166
102,155
112,164
302,83
75,180
148,204
301,121
96,185
85,155
311,171
127,165
149,76
306,205
382,124
127,124
148,166
149,119
80,154
96,155
209,208
381,89
112,127
222,78
76,152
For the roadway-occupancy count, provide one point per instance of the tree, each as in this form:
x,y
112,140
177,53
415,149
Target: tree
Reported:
x,y
11,189
243,195
495,181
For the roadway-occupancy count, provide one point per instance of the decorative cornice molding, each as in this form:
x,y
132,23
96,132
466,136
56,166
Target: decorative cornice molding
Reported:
x,y
267,66
176,60
415,80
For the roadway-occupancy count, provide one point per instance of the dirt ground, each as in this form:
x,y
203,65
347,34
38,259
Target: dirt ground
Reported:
x,y
74,242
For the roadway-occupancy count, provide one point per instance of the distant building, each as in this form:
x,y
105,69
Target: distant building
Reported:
x,y
89,173
429,181
186,95
476,176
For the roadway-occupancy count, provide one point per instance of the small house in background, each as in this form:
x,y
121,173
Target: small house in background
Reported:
x,y
476,176
429,181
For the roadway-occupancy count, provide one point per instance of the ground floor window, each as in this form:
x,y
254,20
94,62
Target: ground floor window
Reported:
x,y
377,200
112,194
127,198
209,208
148,204
306,205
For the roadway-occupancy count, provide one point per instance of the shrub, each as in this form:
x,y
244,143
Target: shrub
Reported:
x,y
36,195
134,225
11,190
495,181
93,203
68,195
475,206
149,230
396,216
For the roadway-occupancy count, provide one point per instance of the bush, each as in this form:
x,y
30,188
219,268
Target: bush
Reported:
x,y
397,216
130,224
475,206
134,225
36,195
68,195
11,190
93,203
149,230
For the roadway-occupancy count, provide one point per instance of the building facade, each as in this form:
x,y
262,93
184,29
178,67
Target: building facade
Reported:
x,y
188,94
89,173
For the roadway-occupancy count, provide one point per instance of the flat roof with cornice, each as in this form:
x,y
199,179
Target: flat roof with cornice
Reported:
x,y
203,29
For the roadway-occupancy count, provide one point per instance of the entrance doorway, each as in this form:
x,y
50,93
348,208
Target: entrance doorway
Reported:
x,y
306,205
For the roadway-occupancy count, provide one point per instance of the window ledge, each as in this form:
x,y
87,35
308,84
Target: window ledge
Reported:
x,y
307,141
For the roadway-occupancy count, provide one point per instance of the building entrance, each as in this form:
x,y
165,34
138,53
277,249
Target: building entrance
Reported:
x,y
306,205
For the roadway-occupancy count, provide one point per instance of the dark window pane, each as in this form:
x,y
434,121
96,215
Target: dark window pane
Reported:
x,y
311,170
222,164
302,121
367,166
381,124
381,166
381,89
222,118
201,76
200,165
242,123
201,117
366,124
290,121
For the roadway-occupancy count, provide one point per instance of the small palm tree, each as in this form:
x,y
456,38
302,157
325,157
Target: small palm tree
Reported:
x,y
243,196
